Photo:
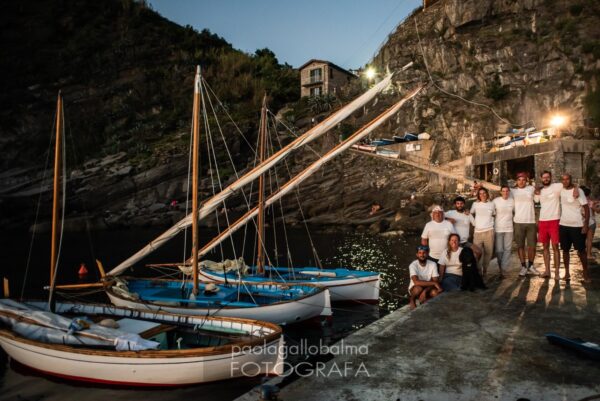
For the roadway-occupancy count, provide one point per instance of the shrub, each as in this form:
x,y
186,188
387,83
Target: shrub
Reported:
x,y
496,91
576,9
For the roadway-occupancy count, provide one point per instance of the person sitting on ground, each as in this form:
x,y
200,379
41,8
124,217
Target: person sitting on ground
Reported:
x,y
471,280
503,227
594,206
573,227
436,233
424,278
482,217
450,267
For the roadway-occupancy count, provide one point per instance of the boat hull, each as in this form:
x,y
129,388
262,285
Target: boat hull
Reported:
x,y
134,369
282,313
362,289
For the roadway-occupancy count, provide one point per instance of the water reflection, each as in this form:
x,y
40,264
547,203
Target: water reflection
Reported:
x,y
389,255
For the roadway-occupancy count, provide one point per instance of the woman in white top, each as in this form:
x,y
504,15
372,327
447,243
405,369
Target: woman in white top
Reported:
x,y
450,266
482,212
503,228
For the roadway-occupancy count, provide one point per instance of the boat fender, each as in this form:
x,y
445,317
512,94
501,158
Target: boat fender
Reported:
x,y
210,289
110,323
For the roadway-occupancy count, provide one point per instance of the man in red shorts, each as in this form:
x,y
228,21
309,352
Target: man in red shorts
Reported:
x,y
548,195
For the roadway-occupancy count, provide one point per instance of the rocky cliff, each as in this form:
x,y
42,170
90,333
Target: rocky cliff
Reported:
x,y
525,60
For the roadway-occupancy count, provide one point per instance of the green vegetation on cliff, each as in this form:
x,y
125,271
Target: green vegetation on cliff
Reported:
x,y
126,74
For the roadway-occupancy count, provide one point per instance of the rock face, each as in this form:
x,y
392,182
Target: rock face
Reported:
x,y
520,61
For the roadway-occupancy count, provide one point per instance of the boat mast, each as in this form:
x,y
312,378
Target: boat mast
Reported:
x,y
260,258
55,204
195,163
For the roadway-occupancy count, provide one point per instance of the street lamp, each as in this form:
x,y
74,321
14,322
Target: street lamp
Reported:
x,y
370,73
557,120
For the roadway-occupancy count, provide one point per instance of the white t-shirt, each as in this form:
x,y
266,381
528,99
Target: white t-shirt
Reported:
x,y
453,265
524,212
484,215
549,199
423,273
504,214
462,225
437,234
571,208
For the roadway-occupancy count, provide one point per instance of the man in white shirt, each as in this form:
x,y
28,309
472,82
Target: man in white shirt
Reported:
x,y
503,228
524,227
549,198
573,226
436,233
460,218
424,278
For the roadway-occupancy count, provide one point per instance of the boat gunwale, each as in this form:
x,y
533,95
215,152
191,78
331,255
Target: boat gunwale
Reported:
x,y
318,291
170,353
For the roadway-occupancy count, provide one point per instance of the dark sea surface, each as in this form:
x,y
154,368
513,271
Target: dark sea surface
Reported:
x,y
388,255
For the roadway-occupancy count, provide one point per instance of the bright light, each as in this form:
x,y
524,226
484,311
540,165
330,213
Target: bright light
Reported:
x,y
558,120
370,73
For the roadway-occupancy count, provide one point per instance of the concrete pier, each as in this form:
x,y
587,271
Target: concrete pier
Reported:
x,y
487,345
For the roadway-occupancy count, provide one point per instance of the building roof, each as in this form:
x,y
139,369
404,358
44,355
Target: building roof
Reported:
x,y
329,63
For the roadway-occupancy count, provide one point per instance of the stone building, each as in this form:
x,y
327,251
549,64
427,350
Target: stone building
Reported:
x,y
318,77
557,156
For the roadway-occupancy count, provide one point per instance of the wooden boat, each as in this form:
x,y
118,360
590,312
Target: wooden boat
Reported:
x,y
343,284
407,137
141,347
189,349
365,148
272,302
383,142
387,153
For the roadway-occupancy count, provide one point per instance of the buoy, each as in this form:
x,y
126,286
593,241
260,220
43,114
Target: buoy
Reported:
x,y
83,271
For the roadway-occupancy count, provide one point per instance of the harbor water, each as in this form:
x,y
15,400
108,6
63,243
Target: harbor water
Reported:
x,y
388,255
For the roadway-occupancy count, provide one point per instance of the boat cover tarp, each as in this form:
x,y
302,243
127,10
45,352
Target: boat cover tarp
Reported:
x,y
51,328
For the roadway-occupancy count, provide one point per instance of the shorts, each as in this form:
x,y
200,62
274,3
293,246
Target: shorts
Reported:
x,y
571,236
523,232
548,232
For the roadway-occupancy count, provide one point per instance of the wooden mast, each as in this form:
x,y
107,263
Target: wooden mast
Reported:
x,y
260,258
195,163
55,202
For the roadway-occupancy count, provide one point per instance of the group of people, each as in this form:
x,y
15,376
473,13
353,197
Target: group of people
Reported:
x,y
566,218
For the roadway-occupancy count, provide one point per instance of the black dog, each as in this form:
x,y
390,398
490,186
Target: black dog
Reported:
x,y
471,279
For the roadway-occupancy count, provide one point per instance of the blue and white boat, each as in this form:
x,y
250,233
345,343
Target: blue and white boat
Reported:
x,y
343,284
270,302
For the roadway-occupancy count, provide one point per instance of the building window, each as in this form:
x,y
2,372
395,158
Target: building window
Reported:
x,y
330,73
316,91
316,75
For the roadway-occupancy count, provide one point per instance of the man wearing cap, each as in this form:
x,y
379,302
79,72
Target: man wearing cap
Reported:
x,y
548,195
424,278
573,225
436,233
524,227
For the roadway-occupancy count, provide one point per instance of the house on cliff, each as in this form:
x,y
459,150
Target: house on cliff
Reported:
x,y
319,77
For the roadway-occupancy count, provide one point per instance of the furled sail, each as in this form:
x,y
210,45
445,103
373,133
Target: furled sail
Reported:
x,y
294,182
211,204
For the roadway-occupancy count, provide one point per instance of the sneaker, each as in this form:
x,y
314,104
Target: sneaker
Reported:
x,y
523,271
533,270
